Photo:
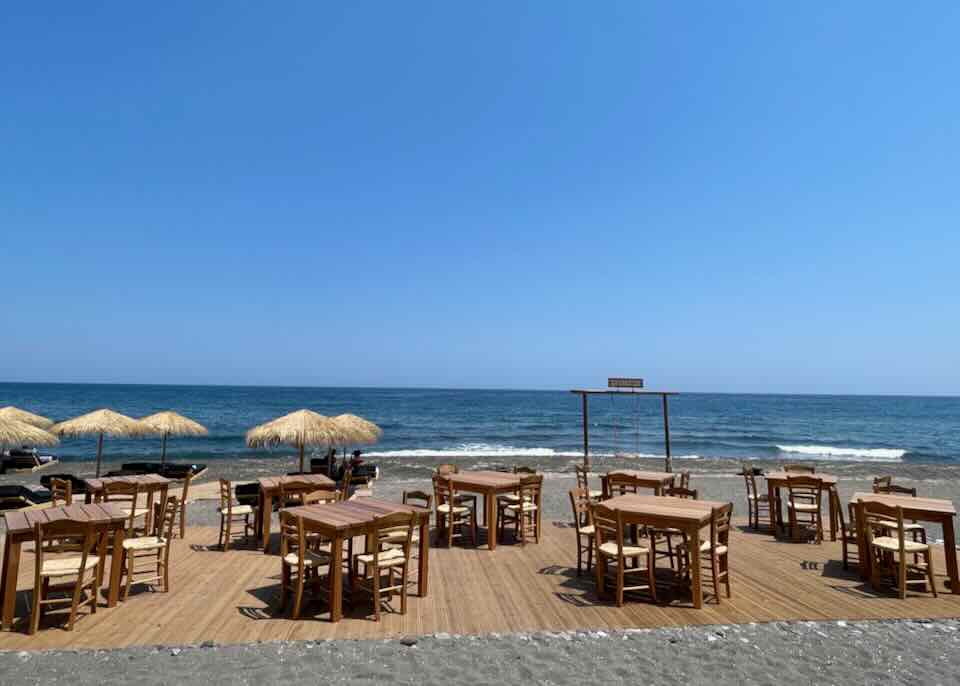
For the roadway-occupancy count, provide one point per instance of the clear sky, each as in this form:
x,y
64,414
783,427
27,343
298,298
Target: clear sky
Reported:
x,y
718,196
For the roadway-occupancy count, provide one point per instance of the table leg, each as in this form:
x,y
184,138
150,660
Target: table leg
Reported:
x,y
696,589
950,552
833,513
490,504
864,557
11,567
266,514
774,502
116,566
424,560
336,579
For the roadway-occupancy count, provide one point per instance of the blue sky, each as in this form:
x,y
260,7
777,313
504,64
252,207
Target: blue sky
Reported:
x,y
716,196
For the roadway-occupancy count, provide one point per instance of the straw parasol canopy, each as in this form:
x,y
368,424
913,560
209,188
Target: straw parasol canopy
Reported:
x,y
14,432
301,428
100,423
358,430
11,412
169,423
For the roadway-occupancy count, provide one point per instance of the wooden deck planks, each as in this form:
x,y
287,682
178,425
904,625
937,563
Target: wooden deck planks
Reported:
x,y
229,597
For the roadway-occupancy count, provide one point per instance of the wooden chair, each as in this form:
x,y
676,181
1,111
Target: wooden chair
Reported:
x,y
61,492
885,485
518,469
684,480
51,540
452,515
668,534
300,562
621,484
580,500
232,513
849,536
296,493
524,514
757,503
386,558
611,528
715,551
181,520
583,482
343,490
804,505
127,495
888,553
151,552
449,468
800,468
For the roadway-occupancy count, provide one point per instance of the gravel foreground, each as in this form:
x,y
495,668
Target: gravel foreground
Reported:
x,y
904,652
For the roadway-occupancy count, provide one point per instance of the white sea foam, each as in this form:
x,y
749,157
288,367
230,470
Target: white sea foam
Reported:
x,y
474,450
853,454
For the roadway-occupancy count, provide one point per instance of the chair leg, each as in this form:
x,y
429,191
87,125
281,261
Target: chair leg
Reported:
x,y
620,582
298,597
403,589
930,580
725,569
284,585
902,577
35,613
715,568
376,594
128,559
183,520
651,573
579,556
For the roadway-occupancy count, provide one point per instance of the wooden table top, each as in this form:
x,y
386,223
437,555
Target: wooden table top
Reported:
x,y
148,480
99,513
270,483
932,505
351,514
663,477
680,509
485,479
827,479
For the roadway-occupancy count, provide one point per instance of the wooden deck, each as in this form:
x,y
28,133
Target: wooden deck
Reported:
x,y
230,597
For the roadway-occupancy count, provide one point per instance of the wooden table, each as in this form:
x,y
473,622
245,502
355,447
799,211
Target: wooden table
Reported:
x,y
343,520
20,528
661,512
489,484
146,483
931,510
656,481
270,487
778,480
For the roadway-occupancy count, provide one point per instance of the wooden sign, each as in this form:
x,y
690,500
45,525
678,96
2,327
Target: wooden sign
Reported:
x,y
624,382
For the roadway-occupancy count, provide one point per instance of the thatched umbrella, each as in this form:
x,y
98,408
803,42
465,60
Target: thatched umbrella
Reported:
x,y
13,432
301,428
11,412
357,429
100,422
171,424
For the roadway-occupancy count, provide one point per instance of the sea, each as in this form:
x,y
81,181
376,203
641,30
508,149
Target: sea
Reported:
x,y
488,428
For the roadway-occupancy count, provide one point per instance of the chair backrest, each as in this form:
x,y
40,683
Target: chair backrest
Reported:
x,y
293,539
619,484
682,492
580,502
720,525
443,490
344,491
386,528
808,488
877,516
447,468
294,492
61,492
120,492
582,474
226,495
800,468
750,480
164,517
64,536
531,486
894,489
684,481
606,525
418,498
881,482
187,480
519,469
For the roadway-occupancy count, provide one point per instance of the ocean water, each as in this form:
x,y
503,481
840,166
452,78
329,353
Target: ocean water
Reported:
x,y
486,427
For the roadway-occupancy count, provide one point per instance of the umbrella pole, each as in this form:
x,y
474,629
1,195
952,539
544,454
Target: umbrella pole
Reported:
x,y
301,458
99,453
163,449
